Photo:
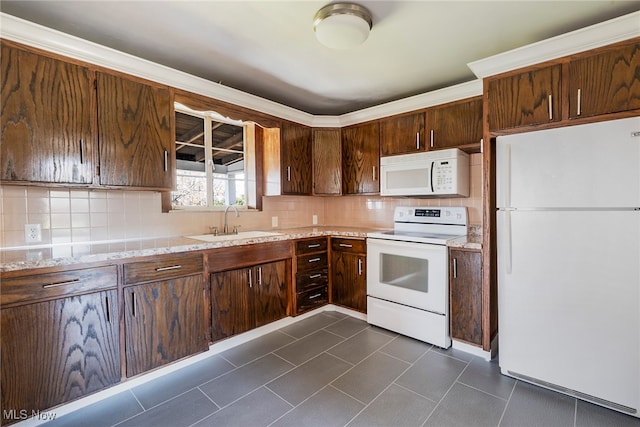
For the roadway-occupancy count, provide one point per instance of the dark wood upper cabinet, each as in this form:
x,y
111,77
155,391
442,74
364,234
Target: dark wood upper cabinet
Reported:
x,y
526,98
607,82
465,277
134,133
327,162
402,134
361,159
457,124
46,119
295,152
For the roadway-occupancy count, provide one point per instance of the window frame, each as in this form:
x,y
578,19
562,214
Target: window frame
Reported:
x,y
208,117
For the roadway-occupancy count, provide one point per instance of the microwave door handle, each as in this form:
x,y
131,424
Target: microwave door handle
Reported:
x,y
431,176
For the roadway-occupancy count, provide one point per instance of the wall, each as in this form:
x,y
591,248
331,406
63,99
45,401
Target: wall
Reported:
x,y
80,215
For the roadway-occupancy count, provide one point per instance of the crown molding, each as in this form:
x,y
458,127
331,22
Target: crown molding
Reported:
x,y
29,33
35,35
614,30
417,102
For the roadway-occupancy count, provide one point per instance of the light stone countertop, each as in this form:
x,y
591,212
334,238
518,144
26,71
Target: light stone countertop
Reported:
x,y
81,253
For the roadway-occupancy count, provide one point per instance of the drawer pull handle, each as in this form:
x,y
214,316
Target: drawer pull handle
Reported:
x,y
315,296
173,267
315,276
55,285
314,260
345,245
107,313
317,245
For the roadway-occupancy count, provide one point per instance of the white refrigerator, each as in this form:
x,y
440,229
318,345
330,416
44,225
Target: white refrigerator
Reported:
x,y
568,243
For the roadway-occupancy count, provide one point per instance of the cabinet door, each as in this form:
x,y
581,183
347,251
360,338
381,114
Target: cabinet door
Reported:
x,y
59,350
270,292
164,321
46,119
327,162
230,303
134,131
524,99
348,280
455,125
361,159
608,82
466,295
296,159
402,135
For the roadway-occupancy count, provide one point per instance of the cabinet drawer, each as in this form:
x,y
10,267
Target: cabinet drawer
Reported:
x,y
313,245
312,262
349,245
162,268
54,285
310,279
312,298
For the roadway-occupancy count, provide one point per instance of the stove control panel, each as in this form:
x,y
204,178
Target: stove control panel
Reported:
x,y
450,215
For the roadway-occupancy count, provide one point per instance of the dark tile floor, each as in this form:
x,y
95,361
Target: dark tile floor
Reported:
x,y
333,370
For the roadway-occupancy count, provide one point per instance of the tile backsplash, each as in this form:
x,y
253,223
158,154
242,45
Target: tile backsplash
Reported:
x,y
81,215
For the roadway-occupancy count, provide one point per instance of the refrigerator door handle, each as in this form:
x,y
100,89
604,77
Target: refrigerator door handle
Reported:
x,y
506,178
506,244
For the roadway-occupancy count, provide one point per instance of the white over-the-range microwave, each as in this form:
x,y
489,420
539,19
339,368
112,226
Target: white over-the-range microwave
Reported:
x,y
440,173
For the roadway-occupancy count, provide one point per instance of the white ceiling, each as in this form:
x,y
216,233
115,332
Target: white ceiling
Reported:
x,y
268,48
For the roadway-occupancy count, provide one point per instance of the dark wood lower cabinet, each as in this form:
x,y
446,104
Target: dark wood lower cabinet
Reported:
x,y
270,293
465,284
247,298
57,351
164,321
349,273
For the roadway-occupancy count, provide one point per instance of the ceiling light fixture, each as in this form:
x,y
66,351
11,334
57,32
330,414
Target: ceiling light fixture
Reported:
x,y
342,25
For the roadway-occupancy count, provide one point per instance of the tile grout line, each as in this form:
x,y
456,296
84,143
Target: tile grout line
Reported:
x,y
504,411
448,390
386,388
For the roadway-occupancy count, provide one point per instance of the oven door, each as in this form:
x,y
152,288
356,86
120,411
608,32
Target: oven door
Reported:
x,y
413,274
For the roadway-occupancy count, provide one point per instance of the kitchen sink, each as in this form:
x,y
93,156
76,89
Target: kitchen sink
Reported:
x,y
236,236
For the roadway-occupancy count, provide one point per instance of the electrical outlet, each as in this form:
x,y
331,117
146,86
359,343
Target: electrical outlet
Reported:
x,y
32,233
274,221
314,219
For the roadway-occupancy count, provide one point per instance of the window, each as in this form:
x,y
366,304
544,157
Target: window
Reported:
x,y
210,161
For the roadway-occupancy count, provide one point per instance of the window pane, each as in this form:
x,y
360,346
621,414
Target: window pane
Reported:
x,y
227,145
191,189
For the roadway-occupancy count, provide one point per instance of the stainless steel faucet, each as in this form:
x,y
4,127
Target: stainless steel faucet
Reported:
x,y
225,229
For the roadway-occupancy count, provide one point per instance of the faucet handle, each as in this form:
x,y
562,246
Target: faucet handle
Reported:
x,y
235,229
213,230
